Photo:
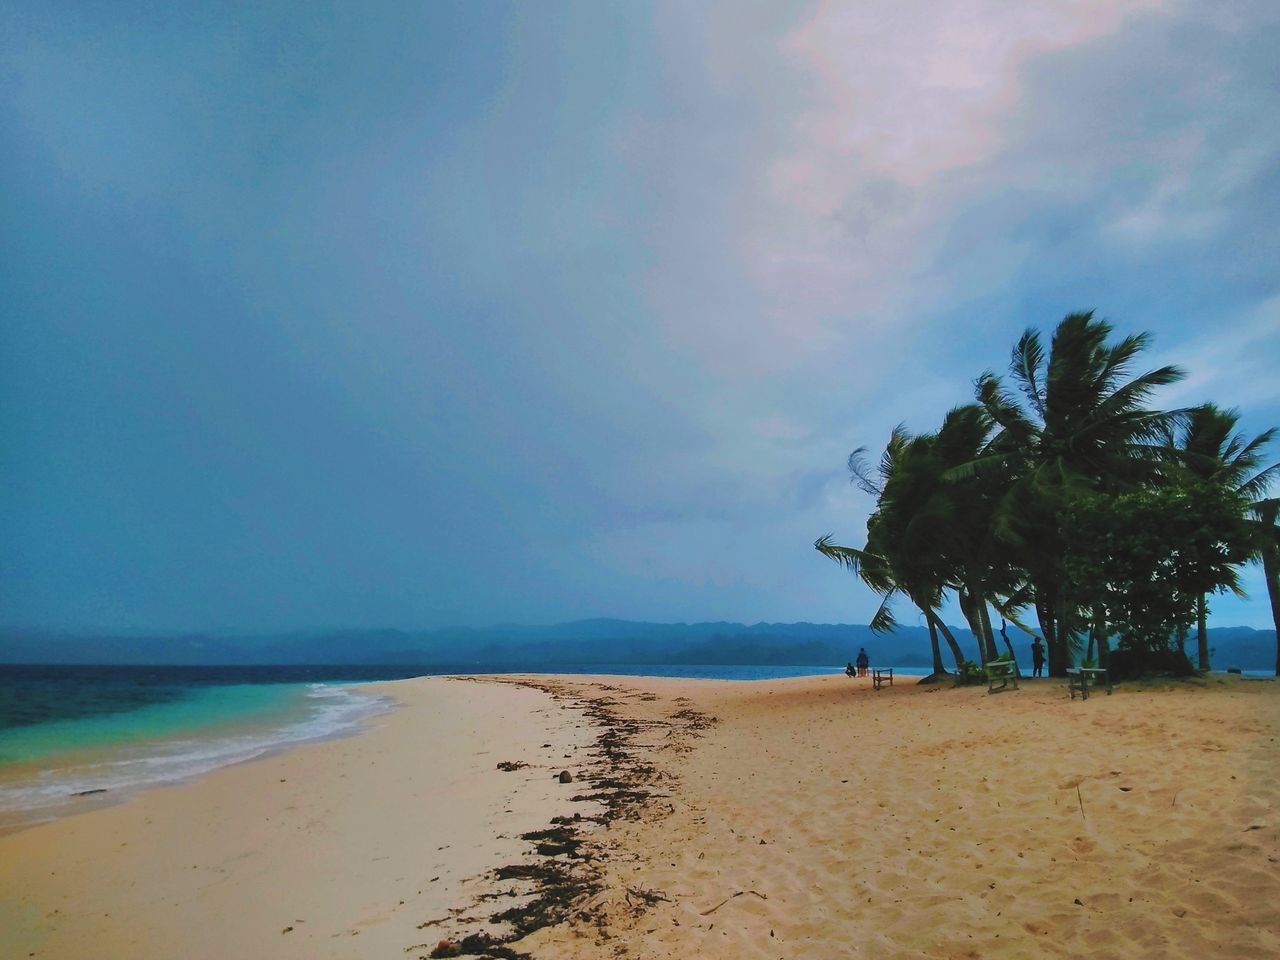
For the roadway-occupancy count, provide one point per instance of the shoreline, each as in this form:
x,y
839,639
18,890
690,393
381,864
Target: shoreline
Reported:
x,y
788,818
69,782
332,848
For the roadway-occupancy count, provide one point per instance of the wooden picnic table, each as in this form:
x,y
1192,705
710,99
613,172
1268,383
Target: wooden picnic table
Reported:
x,y
1003,672
1082,678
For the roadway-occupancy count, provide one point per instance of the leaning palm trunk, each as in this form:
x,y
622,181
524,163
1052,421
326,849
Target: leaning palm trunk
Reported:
x,y
947,635
1271,570
1097,630
1202,635
984,616
1100,636
938,668
973,603
1059,649
1013,658
1048,628
1269,548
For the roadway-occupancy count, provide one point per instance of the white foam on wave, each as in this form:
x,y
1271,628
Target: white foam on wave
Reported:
x,y
334,710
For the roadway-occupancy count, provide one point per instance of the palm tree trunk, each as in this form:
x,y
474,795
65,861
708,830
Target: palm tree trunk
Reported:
x,y
938,668
1271,571
1048,626
1059,652
1202,635
1097,633
980,622
970,611
988,635
1004,635
947,635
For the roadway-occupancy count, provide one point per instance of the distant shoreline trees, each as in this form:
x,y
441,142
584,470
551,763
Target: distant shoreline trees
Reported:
x,y
1069,497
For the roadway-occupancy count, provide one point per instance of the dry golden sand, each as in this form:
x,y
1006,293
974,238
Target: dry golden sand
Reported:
x,y
816,819
821,819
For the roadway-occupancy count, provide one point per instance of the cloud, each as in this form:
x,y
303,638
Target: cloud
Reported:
x,y
899,97
442,314
928,180
1233,363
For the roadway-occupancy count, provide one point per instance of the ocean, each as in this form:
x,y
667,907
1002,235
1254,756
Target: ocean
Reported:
x,y
74,736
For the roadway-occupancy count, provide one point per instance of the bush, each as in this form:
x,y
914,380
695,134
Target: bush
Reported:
x,y
970,673
1129,663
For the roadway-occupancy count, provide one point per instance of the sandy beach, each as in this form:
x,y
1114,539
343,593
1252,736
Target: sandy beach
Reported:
x,y
812,817
332,849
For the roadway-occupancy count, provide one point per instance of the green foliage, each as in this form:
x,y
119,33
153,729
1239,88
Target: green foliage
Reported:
x,y
969,673
1145,556
1068,495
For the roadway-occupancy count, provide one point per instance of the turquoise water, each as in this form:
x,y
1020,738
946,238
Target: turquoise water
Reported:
x,y
172,734
202,711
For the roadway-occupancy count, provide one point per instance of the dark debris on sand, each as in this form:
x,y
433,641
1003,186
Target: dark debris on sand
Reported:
x,y
567,877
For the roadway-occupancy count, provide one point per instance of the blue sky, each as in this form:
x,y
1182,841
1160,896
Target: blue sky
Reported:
x,y
421,314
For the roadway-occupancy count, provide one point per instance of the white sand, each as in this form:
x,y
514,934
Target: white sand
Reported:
x,y
348,844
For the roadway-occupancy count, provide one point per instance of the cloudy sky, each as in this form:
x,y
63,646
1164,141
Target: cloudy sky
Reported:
x,y
413,314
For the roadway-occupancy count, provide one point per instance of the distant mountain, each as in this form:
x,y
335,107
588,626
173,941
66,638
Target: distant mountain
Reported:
x,y
582,642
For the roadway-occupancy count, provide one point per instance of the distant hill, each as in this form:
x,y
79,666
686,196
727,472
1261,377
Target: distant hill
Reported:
x,y
582,642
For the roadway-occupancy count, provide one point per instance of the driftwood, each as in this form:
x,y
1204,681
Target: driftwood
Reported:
x,y
740,893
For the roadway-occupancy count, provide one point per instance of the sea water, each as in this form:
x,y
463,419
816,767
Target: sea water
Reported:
x,y
70,732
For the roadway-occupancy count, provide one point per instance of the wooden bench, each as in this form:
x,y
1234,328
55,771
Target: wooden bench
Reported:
x,y
1082,678
1002,672
880,677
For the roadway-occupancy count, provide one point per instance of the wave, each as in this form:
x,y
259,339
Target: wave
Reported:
x,y
332,710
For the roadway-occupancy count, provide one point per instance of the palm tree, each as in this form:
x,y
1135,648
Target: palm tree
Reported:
x,y
897,559
1080,424
876,573
1213,452
978,567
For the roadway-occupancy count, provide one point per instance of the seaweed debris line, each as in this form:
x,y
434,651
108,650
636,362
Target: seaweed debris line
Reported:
x,y
563,880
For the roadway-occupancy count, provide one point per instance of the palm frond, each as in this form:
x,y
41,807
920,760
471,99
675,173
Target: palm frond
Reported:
x,y
860,471
975,468
1116,360
850,558
1027,359
884,620
1257,485
1013,612
1130,397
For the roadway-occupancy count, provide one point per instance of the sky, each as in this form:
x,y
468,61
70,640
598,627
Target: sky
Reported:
x,y
418,314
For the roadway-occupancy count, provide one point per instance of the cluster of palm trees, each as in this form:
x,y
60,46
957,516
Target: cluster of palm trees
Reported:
x,y
990,507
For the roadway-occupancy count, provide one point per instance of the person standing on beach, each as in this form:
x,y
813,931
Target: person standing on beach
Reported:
x,y
1037,658
863,661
